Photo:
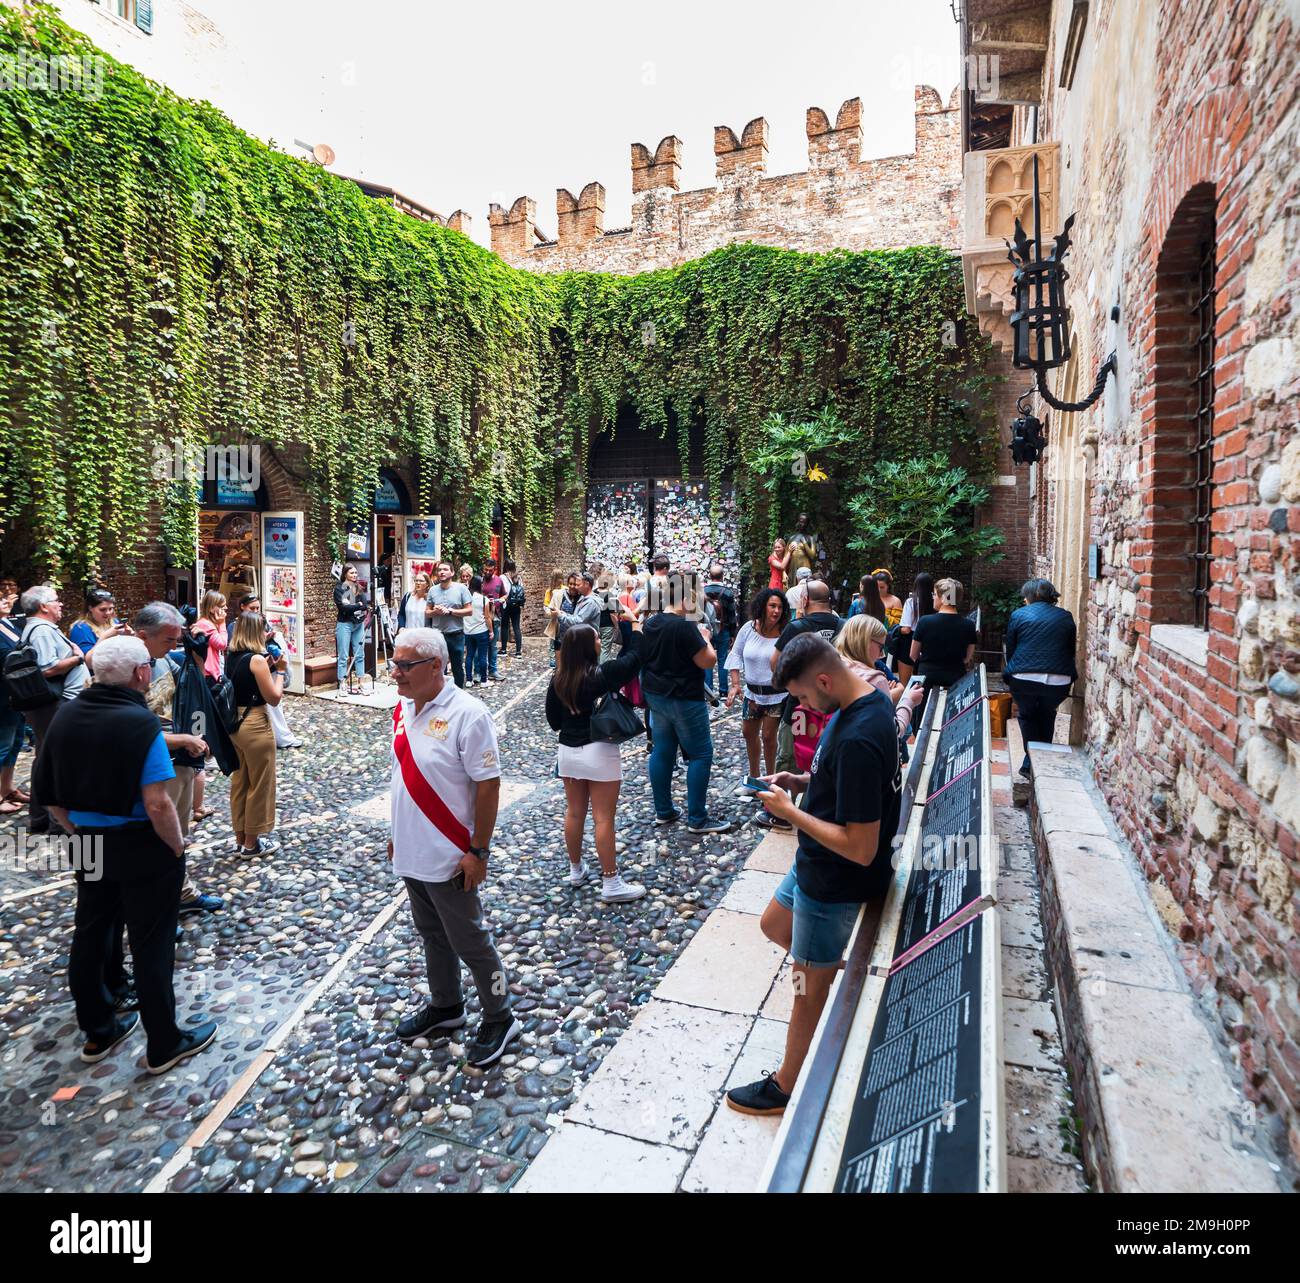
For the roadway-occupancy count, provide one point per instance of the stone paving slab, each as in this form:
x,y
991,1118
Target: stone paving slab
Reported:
x,y
774,854
751,892
585,1160
729,966
661,1081
735,1147
1028,1030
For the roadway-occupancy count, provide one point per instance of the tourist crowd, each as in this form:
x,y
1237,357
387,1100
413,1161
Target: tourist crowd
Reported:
x,y
125,717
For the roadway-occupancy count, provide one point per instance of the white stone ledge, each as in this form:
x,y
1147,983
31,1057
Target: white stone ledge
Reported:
x,y
1185,641
1169,1112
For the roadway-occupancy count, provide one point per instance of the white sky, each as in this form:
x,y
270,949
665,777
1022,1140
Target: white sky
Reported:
x,y
460,104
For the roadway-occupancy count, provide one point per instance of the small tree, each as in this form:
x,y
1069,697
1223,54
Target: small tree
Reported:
x,y
924,506
794,458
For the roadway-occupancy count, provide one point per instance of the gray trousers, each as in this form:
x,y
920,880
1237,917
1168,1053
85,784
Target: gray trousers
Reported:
x,y
450,923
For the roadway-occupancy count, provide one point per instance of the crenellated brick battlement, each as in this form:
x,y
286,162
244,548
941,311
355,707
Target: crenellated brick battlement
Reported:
x,y
839,201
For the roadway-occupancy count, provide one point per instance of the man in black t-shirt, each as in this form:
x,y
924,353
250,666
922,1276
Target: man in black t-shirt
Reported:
x,y
677,653
846,824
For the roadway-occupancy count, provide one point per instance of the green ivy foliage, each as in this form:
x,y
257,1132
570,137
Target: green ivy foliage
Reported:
x,y
923,506
166,278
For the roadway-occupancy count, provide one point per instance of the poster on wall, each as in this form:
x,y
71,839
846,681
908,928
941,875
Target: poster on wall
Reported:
x,y
280,539
282,578
286,627
282,588
358,546
423,538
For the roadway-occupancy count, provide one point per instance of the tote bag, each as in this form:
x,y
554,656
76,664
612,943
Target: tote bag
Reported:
x,y
614,720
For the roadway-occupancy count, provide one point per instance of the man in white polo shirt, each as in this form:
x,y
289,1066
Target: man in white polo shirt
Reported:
x,y
445,788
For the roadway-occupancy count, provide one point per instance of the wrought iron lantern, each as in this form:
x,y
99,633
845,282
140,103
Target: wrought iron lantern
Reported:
x,y
1040,325
1028,438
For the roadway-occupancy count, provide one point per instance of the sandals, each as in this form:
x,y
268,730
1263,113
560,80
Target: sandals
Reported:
x,y
17,795
10,808
203,814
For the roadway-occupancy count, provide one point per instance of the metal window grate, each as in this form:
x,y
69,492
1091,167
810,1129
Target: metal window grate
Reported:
x,y
1202,453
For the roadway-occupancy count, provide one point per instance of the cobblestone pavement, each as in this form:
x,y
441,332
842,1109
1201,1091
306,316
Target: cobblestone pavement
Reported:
x,y
314,961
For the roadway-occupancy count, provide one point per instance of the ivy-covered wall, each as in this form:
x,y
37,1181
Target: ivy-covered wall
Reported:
x,y
164,277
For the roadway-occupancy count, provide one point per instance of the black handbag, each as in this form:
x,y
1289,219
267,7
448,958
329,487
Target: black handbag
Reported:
x,y
614,720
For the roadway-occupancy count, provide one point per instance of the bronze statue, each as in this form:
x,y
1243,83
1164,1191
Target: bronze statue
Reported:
x,y
804,547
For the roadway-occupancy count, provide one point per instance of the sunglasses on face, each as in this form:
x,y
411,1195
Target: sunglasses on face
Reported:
x,y
405,665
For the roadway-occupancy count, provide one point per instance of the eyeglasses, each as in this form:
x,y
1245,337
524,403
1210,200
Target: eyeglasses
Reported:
x,y
405,665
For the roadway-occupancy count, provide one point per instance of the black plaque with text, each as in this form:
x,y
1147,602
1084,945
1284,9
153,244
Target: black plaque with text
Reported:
x,y
945,869
963,693
961,744
915,1127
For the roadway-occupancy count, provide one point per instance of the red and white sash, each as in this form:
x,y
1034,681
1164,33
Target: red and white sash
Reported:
x,y
422,793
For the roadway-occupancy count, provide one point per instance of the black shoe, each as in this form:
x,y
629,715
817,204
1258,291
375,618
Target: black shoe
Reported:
x,y
191,1044
201,904
96,1049
711,826
766,820
430,1018
668,819
492,1039
1024,767
763,1097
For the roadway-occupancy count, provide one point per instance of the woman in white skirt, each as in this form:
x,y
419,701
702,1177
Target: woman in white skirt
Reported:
x,y
592,772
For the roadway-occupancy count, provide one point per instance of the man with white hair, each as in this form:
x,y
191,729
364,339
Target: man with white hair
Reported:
x,y
105,770
445,788
64,667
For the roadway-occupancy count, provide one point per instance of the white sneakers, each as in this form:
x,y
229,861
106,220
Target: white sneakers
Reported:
x,y
615,890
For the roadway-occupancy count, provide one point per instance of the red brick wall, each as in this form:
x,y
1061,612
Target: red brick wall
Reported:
x,y
1199,763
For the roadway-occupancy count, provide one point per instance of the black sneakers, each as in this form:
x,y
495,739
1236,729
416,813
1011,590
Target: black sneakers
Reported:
x,y
710,826
492,1039
426,1020
191,1044
95,1049
766,820
762,1097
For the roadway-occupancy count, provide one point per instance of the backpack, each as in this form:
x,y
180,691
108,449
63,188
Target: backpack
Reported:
x,y
724,602
515,597
25,683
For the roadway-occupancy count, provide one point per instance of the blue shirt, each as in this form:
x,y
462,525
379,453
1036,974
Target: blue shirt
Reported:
x,y
157,767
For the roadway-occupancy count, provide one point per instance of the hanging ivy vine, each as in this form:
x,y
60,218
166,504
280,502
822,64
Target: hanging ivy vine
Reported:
x,y
169,281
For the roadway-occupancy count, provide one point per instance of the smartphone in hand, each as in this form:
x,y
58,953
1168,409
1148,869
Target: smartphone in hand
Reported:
x,y
755,785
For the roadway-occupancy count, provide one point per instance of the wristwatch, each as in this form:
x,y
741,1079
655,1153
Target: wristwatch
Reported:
x,y
479,853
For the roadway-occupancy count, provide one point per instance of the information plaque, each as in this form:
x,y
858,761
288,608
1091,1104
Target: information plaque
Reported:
x,y
916,1128
926,1116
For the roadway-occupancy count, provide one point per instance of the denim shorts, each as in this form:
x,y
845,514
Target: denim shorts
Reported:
x,y
821,931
